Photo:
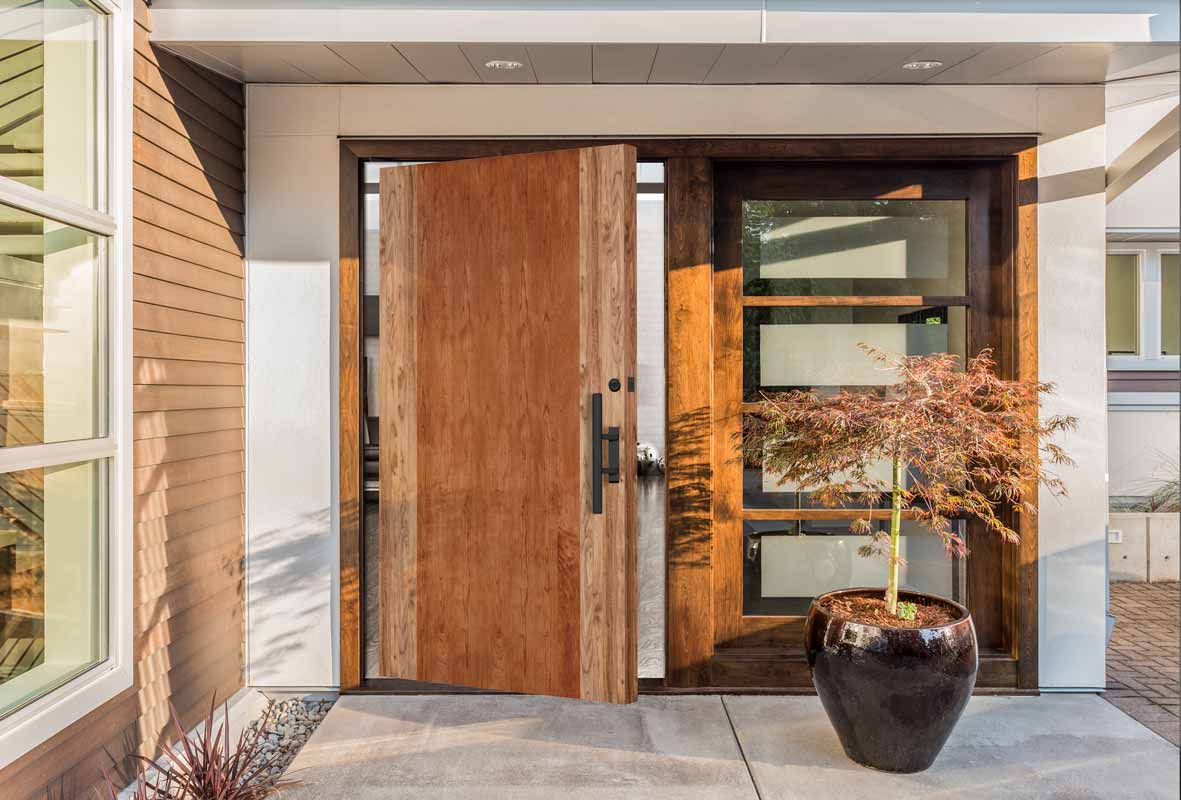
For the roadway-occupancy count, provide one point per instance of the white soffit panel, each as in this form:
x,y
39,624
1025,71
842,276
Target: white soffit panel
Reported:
x,y
199,56
411,62
1136,60
440,63
616,22
561,63
746,63
684,63
321,62
839,63
262,63
951,27
380,63
1079,63
991,61
622,63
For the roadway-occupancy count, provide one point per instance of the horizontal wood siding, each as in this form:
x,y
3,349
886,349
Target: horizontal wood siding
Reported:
x,y
188,399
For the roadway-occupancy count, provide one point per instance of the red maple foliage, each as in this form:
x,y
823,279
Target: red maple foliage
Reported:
x,y
961,442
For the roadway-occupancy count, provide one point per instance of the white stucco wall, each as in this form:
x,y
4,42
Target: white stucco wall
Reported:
x,y
1142,444
292,251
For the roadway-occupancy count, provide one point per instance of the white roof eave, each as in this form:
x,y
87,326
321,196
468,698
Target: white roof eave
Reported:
x,y
740,22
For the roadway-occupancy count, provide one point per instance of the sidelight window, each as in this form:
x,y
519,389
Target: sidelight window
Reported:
x,y
820,278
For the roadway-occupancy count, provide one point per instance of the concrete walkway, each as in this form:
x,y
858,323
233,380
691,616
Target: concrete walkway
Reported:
x,y
686,747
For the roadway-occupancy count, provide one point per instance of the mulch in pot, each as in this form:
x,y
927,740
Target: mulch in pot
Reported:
x,y
871,610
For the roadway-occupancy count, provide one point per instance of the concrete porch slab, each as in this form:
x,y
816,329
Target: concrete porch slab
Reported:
x,y
1073,746
524,748
688,747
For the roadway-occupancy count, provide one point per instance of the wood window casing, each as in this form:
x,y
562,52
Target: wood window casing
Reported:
x,y
1002,578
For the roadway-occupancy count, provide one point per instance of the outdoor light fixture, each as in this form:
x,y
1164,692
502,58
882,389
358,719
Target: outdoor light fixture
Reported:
x,y
500,63
922,64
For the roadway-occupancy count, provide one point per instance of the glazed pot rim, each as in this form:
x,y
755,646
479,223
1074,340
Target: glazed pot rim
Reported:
x,y
965,615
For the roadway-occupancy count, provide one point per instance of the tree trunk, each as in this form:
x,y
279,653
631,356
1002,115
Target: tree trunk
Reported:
x,y
895,531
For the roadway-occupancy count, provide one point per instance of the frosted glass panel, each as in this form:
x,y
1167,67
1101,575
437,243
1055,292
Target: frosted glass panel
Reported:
x,y
855,247
786,564
1123,287
817,348
792,355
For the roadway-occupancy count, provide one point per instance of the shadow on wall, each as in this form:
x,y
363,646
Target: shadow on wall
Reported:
x,y
214,122
279,568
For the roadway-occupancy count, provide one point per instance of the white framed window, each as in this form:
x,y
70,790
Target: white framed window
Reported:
x,y
65,500
1143,306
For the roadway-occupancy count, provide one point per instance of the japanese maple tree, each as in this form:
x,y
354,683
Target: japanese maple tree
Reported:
x,y
959,442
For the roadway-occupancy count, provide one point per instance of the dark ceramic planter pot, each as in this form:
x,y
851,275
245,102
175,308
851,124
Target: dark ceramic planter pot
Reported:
x,y
892,694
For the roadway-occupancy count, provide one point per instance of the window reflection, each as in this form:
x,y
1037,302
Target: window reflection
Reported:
x,y
51,582
850,247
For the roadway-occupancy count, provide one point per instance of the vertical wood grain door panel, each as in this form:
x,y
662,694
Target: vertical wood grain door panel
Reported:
x,y
507,301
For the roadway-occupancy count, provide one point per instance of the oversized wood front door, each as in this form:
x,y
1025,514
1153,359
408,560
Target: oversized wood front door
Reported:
x,y
508,423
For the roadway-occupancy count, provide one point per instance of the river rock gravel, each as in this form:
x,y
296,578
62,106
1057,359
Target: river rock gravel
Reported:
x,y
288,725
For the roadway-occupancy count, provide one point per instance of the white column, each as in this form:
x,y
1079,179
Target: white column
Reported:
x,y
1072,354
292,560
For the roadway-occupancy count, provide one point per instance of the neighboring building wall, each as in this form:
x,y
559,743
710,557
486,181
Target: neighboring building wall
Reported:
x,y
1143,447
1134,107
293,182
188,404
1143,381
1143,414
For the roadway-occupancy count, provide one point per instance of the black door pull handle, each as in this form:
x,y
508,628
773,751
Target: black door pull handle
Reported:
x,y
598,436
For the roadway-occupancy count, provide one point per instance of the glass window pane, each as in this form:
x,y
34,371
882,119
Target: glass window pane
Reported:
x,y
854,247
1170,305
52,583
1123,289
50,322
650,424
787,564
51,68
816,347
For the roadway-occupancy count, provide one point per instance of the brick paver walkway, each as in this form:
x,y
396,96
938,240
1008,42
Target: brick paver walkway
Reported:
x,y
1142,660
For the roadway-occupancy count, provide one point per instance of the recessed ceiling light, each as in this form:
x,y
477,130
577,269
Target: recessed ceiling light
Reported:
x,y
500,63
922,65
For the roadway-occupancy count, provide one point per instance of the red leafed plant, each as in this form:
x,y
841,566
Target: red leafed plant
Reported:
x,y
970,443
208,766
